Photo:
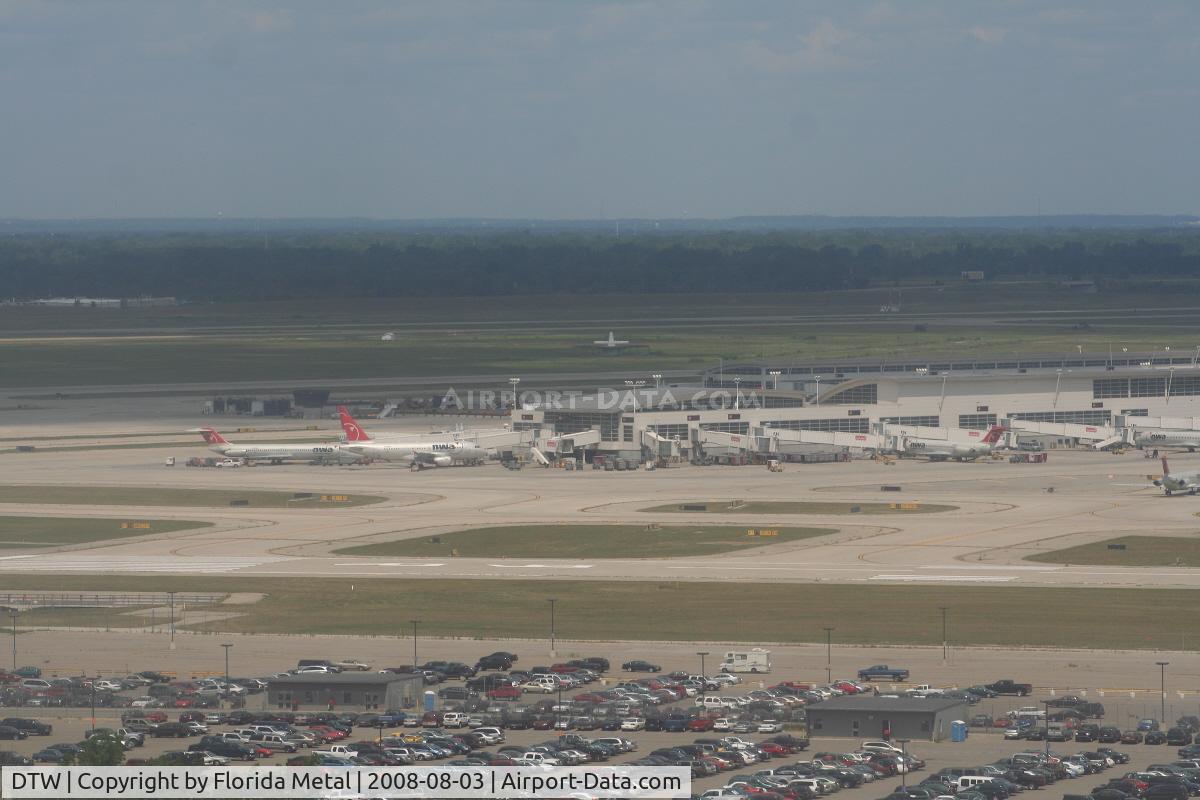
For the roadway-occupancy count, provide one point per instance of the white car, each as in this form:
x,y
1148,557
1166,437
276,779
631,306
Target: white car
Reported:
x,y
314,669
213,760
633,724
542,688
104,685
145,701
722,724
352,664
726,678
769,726
229,462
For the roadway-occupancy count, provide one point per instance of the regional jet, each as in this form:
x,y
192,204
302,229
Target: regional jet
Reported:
x,y
418,455
1183,482
1163,438
942,449
277,453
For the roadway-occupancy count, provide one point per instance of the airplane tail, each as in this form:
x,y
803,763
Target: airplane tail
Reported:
x,y
993,435
353,431
212,437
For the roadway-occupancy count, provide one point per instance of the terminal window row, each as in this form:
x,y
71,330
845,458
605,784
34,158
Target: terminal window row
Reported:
x,y
670,431
726,427
866,394
1182,386
858,425
977,421
1077,417
927,422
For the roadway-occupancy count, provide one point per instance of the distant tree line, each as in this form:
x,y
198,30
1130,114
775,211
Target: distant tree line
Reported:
x,y
204,267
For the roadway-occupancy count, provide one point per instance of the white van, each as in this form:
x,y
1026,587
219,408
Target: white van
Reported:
x,y
971,781
716,701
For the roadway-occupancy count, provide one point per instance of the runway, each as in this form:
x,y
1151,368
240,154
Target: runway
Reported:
x,y
1004,513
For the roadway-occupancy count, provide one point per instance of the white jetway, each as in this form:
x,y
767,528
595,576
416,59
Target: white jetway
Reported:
x,y
568,443
782,436
1166,423
660,446
1097,436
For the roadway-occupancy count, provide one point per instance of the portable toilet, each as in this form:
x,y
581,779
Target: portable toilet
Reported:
x,y
958,731
430,701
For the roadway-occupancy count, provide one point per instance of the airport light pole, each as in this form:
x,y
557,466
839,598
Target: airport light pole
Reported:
x,y
818,396
828,654
904,752
702,654
515,382
414,623
1046,721
172,596
945,640
657,380
1162,691
553,635
227,646
13,611
776,373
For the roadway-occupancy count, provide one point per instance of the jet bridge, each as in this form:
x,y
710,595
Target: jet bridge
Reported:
x,y
568,443
780,437
660,446
1095,436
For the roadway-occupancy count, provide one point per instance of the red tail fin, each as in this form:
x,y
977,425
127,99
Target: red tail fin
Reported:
x,y
993,435
212,437
353,431
1166,470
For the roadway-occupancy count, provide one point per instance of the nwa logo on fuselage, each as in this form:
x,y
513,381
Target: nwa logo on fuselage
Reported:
x,y
443,447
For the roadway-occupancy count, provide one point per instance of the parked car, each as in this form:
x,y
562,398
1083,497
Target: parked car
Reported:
x,y
637,665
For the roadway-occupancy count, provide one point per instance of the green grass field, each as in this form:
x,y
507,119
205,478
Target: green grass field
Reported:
x,y
157,496
516,336
54,531
1140,551
789,507
585,541
670,611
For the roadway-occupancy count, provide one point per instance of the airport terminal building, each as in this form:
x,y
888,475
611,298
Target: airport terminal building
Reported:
x,y
858,397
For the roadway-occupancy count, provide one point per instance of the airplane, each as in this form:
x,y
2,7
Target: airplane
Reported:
x,y
1187,439
418,455
611,343
277,453
941,449
1183,482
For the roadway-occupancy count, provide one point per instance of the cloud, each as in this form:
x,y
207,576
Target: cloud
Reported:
x,y
826,45
987,35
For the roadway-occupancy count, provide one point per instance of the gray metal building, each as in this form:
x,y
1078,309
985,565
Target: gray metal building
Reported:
x,y
867,717
376,691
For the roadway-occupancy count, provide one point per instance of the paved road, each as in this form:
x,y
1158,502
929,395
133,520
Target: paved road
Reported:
x,y
1005,512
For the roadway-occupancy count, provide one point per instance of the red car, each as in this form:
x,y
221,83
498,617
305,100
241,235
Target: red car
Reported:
x,y
504,693
543,723
588,697
562,668
847,687
262,752
773,750
700,724
183,702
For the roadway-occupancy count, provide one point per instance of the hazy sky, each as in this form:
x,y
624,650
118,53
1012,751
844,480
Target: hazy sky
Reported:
x,y
566,108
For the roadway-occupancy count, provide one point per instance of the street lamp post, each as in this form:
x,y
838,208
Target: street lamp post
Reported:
x,y
903,752
702,654
818,395
1046,720
945,640
13,611
774,378
657,379
553,635
514,382
227,646
172,596
414,623
828,654
93,731
737,392
1162,691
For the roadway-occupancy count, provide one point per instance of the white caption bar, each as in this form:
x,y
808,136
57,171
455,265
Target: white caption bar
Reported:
x,y
653,783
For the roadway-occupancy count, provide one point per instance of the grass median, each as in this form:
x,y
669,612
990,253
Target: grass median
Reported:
x,y
1026,616
586,541
21,532
159,496
1129,551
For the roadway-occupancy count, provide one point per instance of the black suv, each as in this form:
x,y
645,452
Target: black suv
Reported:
x,y
499,661
32,727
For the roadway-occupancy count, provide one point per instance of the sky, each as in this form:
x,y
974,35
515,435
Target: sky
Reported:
x,y
576,109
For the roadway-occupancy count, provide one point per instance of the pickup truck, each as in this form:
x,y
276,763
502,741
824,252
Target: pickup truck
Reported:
x,y
882,671
336,751
924,690
1008,686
